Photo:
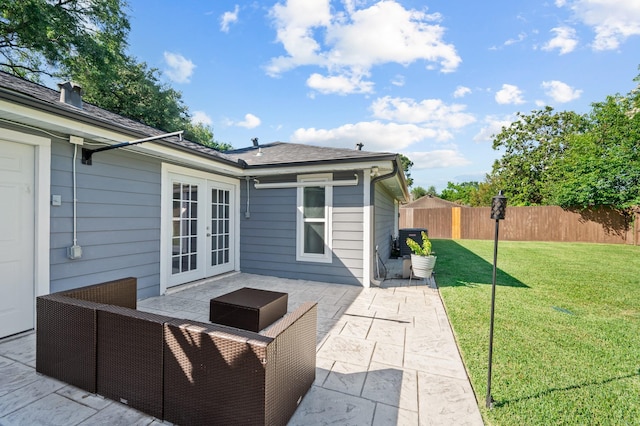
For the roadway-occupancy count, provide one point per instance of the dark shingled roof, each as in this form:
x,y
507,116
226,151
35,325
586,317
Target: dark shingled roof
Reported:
x,y
272,154
30,91
281,153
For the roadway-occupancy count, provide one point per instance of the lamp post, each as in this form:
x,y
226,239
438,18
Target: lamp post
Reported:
x,y
498,210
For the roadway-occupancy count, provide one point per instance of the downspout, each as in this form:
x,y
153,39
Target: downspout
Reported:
x,y
372,190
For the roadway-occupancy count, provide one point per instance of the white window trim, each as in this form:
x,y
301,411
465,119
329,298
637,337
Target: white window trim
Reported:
x,y
42,190
323,180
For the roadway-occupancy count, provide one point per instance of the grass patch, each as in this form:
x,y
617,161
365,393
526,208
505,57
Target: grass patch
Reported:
x,y
567,328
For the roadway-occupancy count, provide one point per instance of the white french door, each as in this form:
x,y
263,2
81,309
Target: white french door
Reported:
x,y
219,228
201,237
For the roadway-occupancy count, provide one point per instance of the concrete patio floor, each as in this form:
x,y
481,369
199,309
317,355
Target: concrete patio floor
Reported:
x,y
385,356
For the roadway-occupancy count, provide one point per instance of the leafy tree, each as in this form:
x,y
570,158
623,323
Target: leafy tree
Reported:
x,y
406,166
602,166
573,160
460,193
418,192
204,135
432,191
485,192
43,37
85,40
532,145
133,90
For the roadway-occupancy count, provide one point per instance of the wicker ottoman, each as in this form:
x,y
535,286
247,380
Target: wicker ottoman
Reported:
x,y
248,308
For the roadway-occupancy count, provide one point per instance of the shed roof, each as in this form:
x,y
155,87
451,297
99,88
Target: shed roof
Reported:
x,y
431,202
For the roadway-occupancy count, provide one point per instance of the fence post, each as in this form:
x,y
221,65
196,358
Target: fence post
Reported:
x,y
456,224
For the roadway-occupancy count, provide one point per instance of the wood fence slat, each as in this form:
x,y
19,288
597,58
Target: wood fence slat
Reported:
x,y
531,223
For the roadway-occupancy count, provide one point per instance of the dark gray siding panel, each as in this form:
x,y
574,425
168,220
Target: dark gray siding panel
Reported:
x,y
384,221
118,219
268,237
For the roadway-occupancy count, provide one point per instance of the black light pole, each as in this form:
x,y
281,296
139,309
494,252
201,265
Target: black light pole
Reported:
x,y
498,210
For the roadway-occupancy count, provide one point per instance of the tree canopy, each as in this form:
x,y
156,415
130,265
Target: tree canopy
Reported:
x,y
602,166
531,146
42,37
85,41
406,166
419,192
572,160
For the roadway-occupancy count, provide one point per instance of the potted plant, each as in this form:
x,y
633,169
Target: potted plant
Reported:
x,y
422,259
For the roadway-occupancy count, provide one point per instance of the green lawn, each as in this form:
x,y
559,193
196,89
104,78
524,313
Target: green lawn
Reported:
x,y
567,328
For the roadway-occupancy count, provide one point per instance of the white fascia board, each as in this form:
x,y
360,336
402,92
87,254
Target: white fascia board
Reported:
x,y
64,125
57,123
186,159
384,167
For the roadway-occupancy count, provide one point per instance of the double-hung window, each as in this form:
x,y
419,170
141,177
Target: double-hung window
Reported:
x,y
314,218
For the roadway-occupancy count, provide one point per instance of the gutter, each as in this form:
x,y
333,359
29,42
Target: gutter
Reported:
x,y
387,176
370,159
394,172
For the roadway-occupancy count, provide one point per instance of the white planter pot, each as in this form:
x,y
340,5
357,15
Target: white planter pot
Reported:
x,y
423,265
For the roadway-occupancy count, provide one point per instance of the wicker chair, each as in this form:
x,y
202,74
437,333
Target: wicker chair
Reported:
x,y
182,371
129,365
67,327
226,376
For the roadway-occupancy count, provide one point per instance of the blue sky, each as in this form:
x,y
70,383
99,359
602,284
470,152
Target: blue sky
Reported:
x,y
431,80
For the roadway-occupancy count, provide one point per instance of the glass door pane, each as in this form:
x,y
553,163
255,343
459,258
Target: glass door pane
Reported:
x,y
219,227
184,239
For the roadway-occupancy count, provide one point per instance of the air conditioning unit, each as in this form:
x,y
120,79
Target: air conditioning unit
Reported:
x,y
415,234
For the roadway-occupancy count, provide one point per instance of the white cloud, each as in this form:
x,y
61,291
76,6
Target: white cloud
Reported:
x,y
461,91
358,39
202,118
410,122
250,122
509,94
229,18
612,20
560,92
398,80
377,136
339,84
492,126
565,40
437,159
511,41
180,68
428,112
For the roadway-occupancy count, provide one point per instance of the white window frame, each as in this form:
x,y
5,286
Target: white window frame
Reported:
x,y
323,180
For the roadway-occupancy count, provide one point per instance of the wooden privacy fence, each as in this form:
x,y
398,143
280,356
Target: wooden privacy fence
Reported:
x,y
539,223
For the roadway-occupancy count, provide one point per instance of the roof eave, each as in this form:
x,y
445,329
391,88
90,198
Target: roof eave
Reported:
x,y
67,112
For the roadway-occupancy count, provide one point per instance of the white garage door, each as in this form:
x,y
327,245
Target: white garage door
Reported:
x,y
17,223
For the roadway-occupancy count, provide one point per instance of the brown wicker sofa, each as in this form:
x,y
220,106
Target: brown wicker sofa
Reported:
x,y
182,371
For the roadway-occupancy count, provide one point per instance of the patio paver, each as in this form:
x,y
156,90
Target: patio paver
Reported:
x,y
384,356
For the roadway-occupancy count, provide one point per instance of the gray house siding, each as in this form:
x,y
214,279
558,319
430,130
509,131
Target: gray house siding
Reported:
x,y
268,237
384,213
118,219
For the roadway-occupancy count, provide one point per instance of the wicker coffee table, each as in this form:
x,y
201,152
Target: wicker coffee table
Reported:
x,y
248,308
